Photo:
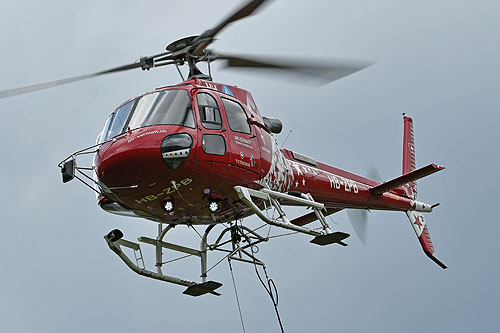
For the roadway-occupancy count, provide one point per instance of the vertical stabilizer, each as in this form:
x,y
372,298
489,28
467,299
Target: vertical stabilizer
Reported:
x,y
418,223
416,218
409,156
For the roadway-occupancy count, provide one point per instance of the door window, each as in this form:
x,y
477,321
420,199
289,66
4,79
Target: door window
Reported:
x,y
214,144
236,116
209,111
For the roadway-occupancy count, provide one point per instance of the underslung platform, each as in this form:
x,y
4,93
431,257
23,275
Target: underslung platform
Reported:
x,y
335,237
203,288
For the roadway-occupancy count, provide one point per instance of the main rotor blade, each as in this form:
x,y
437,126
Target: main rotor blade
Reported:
x,y
144,63
208,36
325,71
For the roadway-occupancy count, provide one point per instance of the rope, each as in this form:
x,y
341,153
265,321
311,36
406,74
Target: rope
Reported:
x,y
236,293
269,288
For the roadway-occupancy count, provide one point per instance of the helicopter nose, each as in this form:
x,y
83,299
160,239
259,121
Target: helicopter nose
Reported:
x,y
123,166
142,159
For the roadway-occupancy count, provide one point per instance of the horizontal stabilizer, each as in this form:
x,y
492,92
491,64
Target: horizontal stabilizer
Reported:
x,y
404,179
311,217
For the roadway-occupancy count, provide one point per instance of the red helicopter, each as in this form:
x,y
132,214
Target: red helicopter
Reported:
x,y
200,153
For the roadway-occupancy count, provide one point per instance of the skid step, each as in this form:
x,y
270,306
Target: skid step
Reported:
x,y
335,237
203,288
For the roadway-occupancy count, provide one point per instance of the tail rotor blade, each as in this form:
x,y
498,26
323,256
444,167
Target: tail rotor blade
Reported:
x,y
359,221
373,173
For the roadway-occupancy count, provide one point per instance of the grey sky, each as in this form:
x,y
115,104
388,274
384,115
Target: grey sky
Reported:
x,y
438,61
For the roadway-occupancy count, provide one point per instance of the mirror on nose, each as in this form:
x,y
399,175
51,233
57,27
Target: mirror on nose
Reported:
x,y
273,124
68,170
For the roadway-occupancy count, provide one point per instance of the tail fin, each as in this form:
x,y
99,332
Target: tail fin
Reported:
x,y
409,156
418,223
416,218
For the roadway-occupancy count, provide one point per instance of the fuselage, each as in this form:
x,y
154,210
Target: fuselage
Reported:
x,y
190,144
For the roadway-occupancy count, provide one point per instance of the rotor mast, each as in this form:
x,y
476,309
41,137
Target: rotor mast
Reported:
x,y
183,51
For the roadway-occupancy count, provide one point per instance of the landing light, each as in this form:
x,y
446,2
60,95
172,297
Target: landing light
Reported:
x,y
213,206
168,206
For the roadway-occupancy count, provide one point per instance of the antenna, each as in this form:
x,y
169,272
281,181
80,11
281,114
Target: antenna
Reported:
x,y
283,145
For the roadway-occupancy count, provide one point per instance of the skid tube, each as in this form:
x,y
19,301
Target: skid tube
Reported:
x,y
322,237
115,241
232,250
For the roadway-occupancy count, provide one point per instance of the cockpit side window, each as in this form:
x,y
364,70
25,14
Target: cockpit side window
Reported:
x,y
167,107
209,111
236,116
115,124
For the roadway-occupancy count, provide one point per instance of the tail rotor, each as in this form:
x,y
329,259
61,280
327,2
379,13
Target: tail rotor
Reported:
x,y
359,222
359,217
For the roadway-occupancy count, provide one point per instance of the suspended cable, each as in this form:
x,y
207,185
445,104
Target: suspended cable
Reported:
x,y
269,288
236,293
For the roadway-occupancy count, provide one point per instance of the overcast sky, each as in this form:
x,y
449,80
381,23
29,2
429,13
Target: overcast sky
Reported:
x,y
438,61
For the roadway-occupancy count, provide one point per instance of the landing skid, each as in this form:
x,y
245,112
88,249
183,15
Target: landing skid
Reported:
x,y
228,242
322,237
115,242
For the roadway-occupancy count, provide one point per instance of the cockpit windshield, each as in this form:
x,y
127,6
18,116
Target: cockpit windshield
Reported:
x,y
116,121
167,107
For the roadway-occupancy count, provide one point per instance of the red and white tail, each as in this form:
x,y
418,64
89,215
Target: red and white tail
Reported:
x,y
416,218
409,156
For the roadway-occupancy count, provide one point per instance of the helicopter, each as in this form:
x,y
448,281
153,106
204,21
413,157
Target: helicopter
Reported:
x,y
200,153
